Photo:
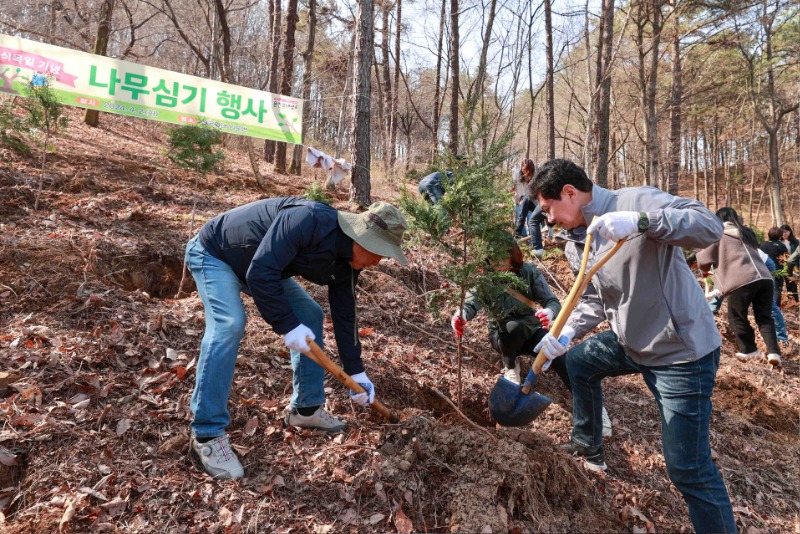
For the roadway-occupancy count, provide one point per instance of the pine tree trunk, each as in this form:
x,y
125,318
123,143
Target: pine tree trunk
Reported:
x,y
549,106
675,118
287,76
360,184
604,104
386,116
274,62
454,68
308,57
436,88
396,93
92,116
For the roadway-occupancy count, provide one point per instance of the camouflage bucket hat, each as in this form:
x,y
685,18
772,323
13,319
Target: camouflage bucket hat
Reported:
x,y
379,230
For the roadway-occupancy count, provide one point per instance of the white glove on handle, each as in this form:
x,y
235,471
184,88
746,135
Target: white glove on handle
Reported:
x,y
296,339
616,226
552,347
366,398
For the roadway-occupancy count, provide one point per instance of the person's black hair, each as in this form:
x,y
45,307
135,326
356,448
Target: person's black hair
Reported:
x,y
788,228
551,177
729,215
775,234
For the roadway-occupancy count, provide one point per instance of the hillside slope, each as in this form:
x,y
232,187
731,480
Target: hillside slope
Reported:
x,y
101,359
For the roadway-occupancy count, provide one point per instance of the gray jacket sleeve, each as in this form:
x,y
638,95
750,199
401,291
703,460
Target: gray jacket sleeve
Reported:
x,y
589,311
680,221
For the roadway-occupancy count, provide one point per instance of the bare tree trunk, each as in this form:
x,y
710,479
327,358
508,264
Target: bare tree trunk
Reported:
x,y
477,89
705,168
437,88
605,40
359,183
675,118
549,107
395,95
695,167
348,86
92,116
454,68
275,9
308,56
287,76
530,91
386,121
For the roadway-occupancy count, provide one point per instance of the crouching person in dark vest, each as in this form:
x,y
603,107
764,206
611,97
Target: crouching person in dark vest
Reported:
x,y
258,249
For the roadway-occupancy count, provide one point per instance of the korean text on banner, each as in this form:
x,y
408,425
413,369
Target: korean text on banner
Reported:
x,y
115,86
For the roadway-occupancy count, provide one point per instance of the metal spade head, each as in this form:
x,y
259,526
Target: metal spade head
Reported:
x,y
511,407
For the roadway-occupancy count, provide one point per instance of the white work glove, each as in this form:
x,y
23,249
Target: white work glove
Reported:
x,y
552,347
616,226
296,339
545,315
366,398
458,323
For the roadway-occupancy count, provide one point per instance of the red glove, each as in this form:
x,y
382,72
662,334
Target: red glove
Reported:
x,y
458,322
545,315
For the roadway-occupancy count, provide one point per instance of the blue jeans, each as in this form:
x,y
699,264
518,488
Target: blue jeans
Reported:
x,y
683,394
220,290
780,322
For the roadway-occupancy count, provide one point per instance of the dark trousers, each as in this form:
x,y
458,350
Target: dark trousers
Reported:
x,y
513,338
532,215
759,294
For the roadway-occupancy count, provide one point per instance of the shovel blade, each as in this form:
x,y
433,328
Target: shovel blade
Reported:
x,y
510,407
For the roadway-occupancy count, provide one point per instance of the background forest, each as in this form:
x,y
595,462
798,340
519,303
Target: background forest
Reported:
x,y
699,97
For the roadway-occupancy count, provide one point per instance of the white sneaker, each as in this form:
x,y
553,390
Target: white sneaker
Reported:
x,y
513,374
607,431
217,458
319,420
774,359
748,356
538,252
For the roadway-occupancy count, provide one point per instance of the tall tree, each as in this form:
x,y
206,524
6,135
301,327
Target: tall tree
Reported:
x,y
92,116
287,74
769,105
395,95
550,116
675,126
387,85
476,89
308,57
360,183
648,13
455,49
274,63
437,84
603,87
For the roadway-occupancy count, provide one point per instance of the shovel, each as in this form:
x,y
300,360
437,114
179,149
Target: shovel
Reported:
x,y
318,356
514,405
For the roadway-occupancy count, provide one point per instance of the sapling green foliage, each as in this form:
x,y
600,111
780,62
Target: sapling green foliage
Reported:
x,y
471,225
317,193
194,148
45,116
12,127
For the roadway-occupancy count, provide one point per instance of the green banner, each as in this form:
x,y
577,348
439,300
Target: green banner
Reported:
x,y
115,86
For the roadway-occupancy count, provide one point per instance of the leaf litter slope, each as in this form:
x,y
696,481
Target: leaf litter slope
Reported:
x,y
95,419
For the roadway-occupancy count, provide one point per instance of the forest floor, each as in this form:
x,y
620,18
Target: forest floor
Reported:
x,y
100,357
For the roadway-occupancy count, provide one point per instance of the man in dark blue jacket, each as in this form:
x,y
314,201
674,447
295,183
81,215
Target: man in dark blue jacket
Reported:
x,y
431,187
257,249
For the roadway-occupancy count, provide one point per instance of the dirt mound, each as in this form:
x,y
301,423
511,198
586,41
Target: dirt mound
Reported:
x,y
738,396
481,484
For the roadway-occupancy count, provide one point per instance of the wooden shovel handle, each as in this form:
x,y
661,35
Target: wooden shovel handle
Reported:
x,y
318,355
581,281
